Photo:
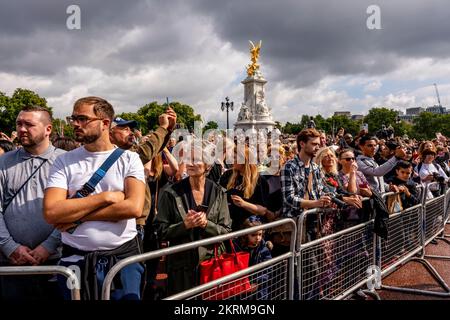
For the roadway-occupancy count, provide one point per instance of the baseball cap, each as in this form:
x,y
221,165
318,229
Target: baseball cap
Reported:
x,y
118,121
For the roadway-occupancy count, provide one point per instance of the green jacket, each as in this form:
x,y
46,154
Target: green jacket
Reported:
x,y
147,151
182,267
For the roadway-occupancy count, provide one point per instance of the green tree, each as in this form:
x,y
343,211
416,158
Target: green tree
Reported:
x,y
379,116
11,106
321,123
292,128
185,114
61,127
336,122
445,125
401,128
139,118
304,121
278,125
210,125
426,124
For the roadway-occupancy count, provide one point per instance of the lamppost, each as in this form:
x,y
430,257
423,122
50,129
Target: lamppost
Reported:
x,y
227,105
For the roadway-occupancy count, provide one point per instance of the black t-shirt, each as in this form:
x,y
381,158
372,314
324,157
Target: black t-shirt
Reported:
x,y
260,196
215,172
275,197
189,201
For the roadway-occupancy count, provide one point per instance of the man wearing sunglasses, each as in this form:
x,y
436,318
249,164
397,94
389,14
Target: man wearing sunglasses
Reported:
x,y
100,228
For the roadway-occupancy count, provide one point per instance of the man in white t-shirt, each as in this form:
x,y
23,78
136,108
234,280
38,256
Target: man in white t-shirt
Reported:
x,y
102,225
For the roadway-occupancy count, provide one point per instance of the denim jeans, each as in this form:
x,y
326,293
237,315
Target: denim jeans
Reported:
x,y
130,277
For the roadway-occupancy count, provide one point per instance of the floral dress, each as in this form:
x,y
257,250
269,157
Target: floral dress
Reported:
x,y
327,225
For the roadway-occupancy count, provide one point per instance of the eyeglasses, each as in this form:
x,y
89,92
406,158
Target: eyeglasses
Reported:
x,y
349,159
81,119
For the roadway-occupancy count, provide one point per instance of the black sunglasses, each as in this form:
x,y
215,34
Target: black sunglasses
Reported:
x,y
348,159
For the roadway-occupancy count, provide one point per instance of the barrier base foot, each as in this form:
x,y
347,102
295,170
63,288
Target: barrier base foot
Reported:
x,y
443,239
416,291
434,256
433,272
431,256
372,294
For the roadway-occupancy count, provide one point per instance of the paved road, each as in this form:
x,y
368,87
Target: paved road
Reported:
x,y
414,275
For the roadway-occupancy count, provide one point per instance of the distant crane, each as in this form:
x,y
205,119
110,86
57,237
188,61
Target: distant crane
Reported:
x,y
437,94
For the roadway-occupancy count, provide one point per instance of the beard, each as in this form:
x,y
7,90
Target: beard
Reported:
x,y
311,153
87,138
28,141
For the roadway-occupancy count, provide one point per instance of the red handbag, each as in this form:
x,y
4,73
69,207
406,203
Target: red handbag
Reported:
x,y
218,267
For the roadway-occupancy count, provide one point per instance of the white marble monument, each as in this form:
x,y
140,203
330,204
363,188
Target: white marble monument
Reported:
x,y
254,113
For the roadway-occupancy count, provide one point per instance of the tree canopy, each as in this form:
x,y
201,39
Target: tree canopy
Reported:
x,y
379,116
11,106
151,112
210,125
424,126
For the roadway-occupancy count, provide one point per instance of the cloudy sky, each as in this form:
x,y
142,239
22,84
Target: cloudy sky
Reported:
x,y
317,55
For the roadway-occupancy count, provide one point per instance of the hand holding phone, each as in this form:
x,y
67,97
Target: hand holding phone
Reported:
x,y
201,208
195,219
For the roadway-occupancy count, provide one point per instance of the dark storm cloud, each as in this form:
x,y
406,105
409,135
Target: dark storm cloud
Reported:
x,y
34,38
305,40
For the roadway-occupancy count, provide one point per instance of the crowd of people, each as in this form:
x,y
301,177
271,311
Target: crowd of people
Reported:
x,y
111,193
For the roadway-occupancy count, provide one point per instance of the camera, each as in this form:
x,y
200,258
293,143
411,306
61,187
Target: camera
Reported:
x,y
340,204
438,178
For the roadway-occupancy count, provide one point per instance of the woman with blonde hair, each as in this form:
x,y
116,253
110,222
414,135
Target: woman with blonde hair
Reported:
x,y
327,162
247,192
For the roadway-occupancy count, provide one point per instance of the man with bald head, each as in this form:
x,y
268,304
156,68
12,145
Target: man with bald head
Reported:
x,y
25,237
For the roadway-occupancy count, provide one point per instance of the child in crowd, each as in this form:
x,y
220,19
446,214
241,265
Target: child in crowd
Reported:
x,y
402,182
259,250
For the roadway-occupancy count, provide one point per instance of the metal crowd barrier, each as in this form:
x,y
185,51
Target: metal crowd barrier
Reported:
x,y
434,217
447,213
329,267
74,284
404,238
409,231
336,265
439,223
280,270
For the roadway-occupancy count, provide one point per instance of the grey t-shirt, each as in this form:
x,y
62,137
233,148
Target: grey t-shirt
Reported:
x,y
23,222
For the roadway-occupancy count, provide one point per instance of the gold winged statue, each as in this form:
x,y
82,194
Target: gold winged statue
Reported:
x,y
254,56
